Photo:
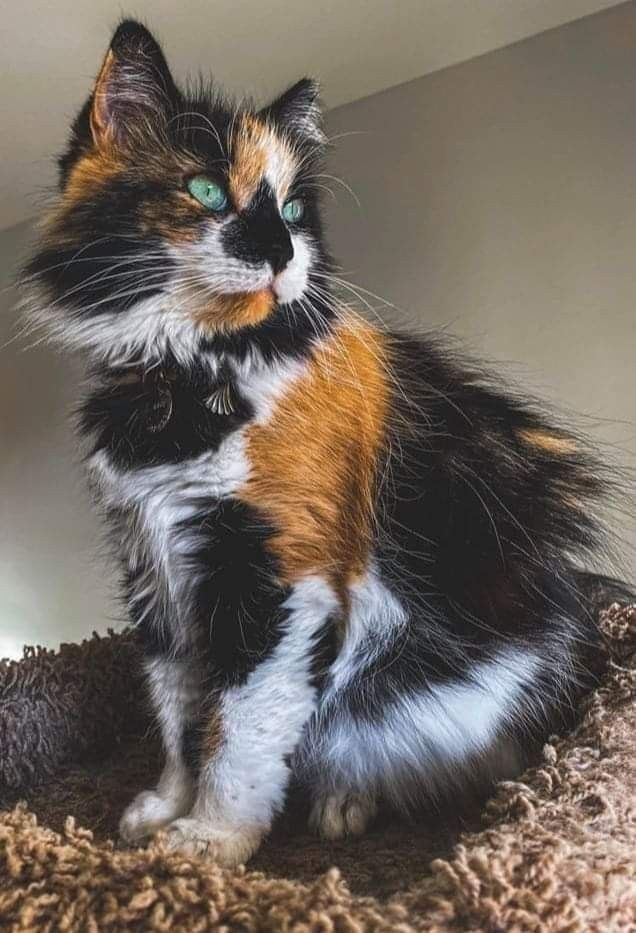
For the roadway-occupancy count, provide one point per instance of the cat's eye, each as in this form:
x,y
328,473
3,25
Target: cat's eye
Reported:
x,y
293,210
208,192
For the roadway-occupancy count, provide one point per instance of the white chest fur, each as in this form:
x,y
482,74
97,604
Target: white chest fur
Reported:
x,y
157,489
165,510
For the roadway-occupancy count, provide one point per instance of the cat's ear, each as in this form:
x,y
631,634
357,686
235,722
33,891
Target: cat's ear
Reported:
x,y
134,90
298,111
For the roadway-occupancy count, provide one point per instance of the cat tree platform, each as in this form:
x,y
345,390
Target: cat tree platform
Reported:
x,y
553,851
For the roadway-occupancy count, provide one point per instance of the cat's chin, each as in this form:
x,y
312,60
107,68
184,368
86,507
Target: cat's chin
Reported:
x,y
236,311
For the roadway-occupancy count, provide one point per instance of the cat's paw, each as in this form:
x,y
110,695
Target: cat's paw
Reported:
x,y
148,813
227,845
342,814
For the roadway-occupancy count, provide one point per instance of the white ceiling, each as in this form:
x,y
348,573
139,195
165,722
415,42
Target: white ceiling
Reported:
x,y
50,52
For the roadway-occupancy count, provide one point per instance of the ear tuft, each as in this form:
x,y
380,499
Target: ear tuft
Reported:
x,y
132,35
298,111
134,82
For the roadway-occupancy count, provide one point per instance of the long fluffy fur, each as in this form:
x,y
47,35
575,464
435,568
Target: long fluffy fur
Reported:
x,y
365,573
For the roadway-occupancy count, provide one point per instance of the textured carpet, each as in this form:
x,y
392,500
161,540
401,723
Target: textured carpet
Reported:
x,y
555,850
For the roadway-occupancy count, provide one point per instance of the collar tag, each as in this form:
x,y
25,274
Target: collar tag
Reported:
x,y
160,409
222,401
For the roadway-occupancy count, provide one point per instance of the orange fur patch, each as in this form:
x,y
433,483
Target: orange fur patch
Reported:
x,y
176,218
255,146
234,311
547,443
314,465
212,738
249,162
89,173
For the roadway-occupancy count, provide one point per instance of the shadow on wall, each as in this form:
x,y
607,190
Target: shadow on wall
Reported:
x,y
54,582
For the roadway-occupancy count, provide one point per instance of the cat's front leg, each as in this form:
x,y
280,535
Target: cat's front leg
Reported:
x,y
252,731
175,689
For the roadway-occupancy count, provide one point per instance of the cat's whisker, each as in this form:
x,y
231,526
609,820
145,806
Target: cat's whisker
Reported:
x,y
341,182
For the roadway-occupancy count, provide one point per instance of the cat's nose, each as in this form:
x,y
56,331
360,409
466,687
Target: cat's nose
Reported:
x,y
280,253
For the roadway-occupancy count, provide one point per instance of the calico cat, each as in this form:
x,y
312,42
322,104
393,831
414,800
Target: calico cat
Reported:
x,y
351,557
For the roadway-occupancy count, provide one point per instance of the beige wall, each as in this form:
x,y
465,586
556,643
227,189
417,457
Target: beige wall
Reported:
x,y
498,198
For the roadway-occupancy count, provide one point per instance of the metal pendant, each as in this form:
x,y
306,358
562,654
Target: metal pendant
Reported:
x,y
160,408
221,402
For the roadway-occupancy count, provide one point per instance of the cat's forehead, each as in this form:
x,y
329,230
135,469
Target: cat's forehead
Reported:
x,y
259,154
252,151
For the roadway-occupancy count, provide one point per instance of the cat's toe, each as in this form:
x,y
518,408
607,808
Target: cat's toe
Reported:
x,y
342,814
148,813
227,845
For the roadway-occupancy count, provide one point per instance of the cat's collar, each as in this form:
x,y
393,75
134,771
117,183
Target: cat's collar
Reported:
x,y
138,374
158,381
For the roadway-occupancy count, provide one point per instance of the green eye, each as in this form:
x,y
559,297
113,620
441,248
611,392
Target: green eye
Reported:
x,y
208,193
293,210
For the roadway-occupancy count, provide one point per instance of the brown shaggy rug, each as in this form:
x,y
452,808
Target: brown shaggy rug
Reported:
x,y
555,850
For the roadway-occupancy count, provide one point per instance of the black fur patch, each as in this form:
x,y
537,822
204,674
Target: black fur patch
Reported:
x,y
325,652
235,614
120,415
99,271
476,530
259,234
237,608
288,332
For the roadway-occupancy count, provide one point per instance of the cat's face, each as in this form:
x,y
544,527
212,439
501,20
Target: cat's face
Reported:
x,y
179,217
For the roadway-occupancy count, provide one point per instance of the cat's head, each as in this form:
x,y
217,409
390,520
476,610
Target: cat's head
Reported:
x,y
181,219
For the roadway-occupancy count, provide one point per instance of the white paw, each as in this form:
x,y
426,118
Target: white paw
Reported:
x,y
149,812
342,814
227,845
